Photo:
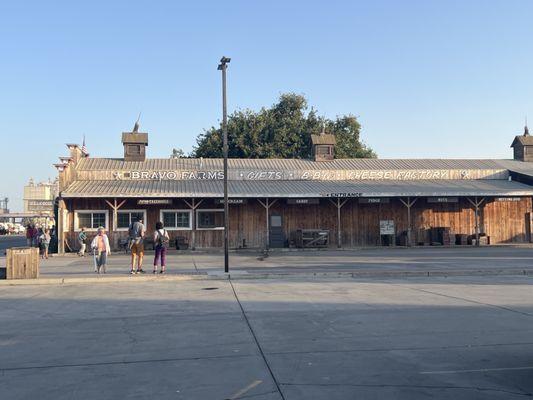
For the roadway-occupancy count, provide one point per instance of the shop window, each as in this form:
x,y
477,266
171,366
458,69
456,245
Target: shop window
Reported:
x,y
210,219
176,219
90,220
126,217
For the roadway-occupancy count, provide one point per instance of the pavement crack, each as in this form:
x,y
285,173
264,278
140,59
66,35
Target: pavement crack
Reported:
x,y
464,346
254,336
124,362
431,387
472,301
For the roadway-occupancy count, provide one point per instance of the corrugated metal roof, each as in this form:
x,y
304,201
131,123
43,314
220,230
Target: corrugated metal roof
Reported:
x,y
99,164
214,188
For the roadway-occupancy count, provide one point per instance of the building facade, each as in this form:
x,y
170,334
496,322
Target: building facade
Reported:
x,y
274,202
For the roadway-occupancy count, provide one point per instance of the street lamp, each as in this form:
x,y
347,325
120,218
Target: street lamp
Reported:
x,y
222,67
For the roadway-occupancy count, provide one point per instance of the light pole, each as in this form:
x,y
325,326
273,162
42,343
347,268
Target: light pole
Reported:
x,y
222,67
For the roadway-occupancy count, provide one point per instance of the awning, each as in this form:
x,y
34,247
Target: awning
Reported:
x,y
294,189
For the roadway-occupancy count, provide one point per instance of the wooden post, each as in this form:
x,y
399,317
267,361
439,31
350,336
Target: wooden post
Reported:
x,y
193,205
339,205
115,207
61,220
476,203
409,203
267,204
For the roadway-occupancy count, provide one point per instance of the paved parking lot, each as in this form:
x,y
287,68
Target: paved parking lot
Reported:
x,y
445,338
388,261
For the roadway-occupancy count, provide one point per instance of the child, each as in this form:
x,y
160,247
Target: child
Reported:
x,y
101,248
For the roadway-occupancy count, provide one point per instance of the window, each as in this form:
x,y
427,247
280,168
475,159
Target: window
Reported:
x,y
323,150
176,219
134,149
210,219
126,217
90,220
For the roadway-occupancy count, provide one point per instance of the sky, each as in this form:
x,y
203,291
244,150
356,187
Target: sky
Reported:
x,y
427,79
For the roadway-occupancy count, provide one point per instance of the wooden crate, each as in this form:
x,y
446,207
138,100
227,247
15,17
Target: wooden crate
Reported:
x,y
22,263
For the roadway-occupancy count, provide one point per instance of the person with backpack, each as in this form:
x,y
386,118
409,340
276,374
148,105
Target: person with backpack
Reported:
x,y
161,240
136,234
82,237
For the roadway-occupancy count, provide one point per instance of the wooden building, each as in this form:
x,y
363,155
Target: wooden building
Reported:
x,y
359,202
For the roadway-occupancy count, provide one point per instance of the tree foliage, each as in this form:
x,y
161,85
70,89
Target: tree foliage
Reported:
x,y
282,131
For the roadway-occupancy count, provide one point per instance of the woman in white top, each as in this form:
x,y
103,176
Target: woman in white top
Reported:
x,y
161,240
101,249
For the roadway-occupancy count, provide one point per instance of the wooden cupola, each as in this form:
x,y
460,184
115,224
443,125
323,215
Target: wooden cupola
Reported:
x,y
523,146
323,146
135,143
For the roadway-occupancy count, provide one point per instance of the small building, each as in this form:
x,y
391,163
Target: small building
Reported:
x,y
274,202
40,197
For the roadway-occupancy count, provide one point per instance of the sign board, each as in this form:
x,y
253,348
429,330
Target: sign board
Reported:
x,y
386,227
232,201
149,202
443,200
303,201
257,174
40,205
342,194
508,199
374,200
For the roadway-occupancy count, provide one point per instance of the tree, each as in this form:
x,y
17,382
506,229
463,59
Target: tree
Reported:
x,y
282,131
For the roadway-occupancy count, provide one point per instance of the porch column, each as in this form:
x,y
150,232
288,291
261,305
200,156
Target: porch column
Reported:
x,y
409,203
193,205
61,217
267,204
115,206
476,203
339,204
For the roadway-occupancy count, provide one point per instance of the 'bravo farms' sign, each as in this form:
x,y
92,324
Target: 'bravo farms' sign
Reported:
x,y
301,175
169,175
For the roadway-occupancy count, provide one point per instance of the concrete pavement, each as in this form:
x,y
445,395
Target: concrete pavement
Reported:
x,y
417,338
378,262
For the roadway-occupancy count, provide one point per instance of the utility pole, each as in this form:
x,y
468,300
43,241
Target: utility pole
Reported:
x,y
222,67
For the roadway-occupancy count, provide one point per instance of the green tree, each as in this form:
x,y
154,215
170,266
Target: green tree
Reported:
x,y
282,131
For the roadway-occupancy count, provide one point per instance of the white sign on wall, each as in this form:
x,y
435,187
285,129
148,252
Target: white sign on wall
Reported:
x,y
386,227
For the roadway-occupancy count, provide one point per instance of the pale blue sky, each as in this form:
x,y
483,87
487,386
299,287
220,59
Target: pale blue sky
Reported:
x,y
438,79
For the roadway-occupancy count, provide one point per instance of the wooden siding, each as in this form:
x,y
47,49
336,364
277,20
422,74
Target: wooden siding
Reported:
x,y
504,222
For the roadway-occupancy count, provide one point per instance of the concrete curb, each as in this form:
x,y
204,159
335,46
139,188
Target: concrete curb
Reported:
x,y
242,275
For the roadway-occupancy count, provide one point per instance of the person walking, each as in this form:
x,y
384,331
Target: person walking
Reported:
x,y
161,240
35,238
29,235
136,236
82,237
101,249
44,243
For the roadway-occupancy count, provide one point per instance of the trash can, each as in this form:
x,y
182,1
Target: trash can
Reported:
x,y
22,263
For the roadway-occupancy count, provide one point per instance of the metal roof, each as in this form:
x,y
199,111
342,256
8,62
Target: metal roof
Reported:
x,y
296,189
100,164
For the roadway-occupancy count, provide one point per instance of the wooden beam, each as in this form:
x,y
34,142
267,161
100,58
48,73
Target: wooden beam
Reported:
x,y
339,204
193,205
476,203
408,204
